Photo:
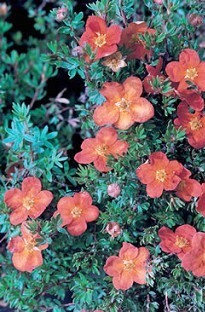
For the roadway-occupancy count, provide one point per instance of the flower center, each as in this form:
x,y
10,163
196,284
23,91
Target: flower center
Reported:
x,y
128,265
30,244
100,40
195,124
123,105
191,73
135,39
101,150
161,175
181,185
181,242
76,212
28,202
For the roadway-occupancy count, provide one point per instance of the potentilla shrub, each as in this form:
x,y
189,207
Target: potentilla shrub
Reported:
x,y
128,232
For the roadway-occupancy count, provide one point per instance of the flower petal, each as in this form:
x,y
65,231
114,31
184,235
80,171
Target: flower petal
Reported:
x,y
118,148
145,173
189,58
142,110
124,281
91,213
18,216
107,114
113,34
41,201
107,136
31,186
13,198
113,266
154,189
77,227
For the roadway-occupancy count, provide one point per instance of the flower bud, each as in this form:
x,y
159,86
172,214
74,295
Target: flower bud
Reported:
x,y
113,190
195,20
158,1
77,51
3,9
113,229
61,14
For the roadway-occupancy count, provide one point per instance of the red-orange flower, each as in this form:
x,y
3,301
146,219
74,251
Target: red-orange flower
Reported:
x,y
153,72
187,187
26,251
193,124
178,242
160,174
98,149
201,202
76,211
194,260
28,202
133,43
128,267
102,39
124,105
189,68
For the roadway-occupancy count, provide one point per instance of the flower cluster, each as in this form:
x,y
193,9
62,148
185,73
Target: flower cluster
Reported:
x,y
31,202
161,174
187,244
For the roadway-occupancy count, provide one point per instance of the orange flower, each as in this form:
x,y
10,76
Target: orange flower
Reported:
x,y
153,72
102,39
193,124
133,43
160,174
178,242
194,260
26,251
201,202
187,187
98,149
128,267
76,211
189,68
28,202
124,105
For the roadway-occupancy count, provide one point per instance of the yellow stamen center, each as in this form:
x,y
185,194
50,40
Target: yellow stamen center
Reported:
x,y
100,40
191,73
28,203
195,124
161,175
30,244
76,212
101,150
128,265
135,39
123,105
181,242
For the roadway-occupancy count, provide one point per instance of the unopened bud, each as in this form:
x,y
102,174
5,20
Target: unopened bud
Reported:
x,y
113,229
195,20
77,51
3,9
113,190
158,1
61,14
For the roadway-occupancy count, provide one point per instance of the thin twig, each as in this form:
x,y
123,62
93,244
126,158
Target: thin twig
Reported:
x,y
166,302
